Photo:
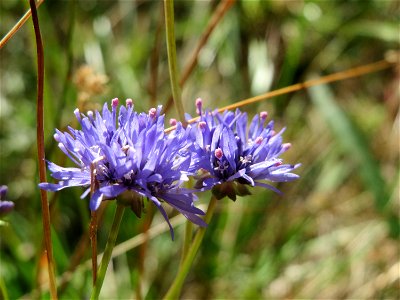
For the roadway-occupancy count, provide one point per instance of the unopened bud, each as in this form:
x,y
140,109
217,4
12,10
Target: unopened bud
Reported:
x,y
218,153
129,102
286,146
90,115
202,125
258,140
152,112
114,102
199,105
172,122
263,115
77,114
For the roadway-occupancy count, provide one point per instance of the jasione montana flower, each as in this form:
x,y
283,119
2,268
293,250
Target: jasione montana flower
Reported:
x,y
232,155
116,153
5,206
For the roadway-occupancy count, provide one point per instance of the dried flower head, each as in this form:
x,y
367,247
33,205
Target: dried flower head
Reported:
x,y
89,83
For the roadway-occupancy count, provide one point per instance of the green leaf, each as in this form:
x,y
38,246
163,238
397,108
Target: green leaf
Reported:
x,y
385,31
352,141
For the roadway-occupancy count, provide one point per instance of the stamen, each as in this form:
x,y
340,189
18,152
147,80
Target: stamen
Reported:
x,y
218,153
246,159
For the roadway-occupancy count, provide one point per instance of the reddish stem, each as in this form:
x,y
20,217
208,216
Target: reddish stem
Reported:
x,y
41,154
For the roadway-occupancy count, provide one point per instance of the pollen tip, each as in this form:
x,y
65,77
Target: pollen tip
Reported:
x,y
258,140
263,115
286,146
114,102
129,102
173,122
202,125
199,105
218,153
152,112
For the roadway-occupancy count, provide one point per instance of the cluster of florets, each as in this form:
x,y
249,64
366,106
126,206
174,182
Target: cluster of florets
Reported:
x,y
232,156
127,155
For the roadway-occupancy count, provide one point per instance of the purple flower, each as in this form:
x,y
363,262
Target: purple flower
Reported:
x,y
127,154
5,206
232,155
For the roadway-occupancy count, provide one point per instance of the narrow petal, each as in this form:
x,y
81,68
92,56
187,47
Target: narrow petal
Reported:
x,y
62,184
95,200
163,212
112,191
270,187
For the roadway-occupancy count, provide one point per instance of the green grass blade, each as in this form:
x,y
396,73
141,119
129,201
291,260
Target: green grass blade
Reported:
x,y
353,143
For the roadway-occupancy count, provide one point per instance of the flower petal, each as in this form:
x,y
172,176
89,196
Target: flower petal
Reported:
x,y
95,200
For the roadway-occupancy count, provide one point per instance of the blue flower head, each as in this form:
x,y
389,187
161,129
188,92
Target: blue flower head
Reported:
x,y
127,154
5,206
232,155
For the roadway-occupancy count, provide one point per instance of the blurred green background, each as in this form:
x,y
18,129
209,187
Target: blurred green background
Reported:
x,y
334,232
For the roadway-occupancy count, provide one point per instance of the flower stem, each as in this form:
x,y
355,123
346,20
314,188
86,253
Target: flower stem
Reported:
x,y
143,249
187,240
175,289
93,242
108,251
41,152
3,290
172,62
215,19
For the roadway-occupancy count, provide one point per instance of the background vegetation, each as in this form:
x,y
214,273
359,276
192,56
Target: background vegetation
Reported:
x,y
334,232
